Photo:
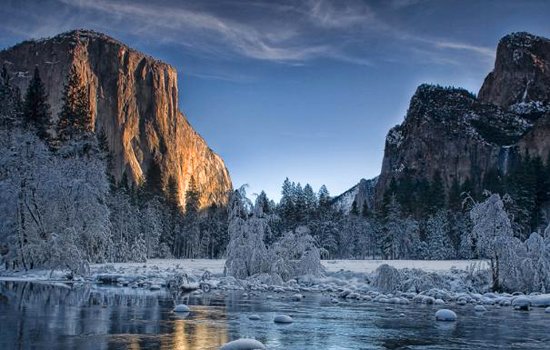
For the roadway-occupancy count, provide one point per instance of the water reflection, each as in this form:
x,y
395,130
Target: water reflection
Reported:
x,y
83,316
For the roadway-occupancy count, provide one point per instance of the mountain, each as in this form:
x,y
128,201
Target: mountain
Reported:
x,y
134,104
455,140
360,193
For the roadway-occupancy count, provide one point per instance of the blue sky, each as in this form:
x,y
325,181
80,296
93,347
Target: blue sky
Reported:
x,y
304,89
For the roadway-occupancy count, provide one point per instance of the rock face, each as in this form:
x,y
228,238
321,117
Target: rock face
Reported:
x,y
134,103
521,73
360,193
450,132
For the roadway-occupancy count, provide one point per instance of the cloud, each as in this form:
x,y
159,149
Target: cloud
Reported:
x,y
481,50
339,14
211,32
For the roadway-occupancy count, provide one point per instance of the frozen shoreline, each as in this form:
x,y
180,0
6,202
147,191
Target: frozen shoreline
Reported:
x,y
402,282
216,267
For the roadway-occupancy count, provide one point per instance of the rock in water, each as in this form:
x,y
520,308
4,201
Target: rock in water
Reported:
x,y
445,315
283,319
243,344
254,317
521,303
182,308
547,310
480,308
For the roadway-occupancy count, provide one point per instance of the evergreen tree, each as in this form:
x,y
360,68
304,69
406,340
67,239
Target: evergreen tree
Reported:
x,y
437,237
75,118
287,206
310,201
10,100
454,202
324,197
437,198
36,110
192,198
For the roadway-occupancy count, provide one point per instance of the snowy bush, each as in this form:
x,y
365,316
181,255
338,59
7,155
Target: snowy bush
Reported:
x,y
296,255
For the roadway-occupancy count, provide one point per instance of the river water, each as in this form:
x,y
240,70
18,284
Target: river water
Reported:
x,y
45,316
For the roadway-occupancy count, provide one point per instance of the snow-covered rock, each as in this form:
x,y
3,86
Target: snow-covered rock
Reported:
x,y
521,302
182,308
243,344
542,300
480,308
445,315
283,319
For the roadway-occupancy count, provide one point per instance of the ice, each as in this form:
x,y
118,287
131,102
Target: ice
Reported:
x,y
445,315
243,344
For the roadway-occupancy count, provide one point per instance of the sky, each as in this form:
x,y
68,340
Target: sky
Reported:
x,y
299,89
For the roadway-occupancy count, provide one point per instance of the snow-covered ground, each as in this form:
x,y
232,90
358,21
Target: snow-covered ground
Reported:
x,y
370,266
216,267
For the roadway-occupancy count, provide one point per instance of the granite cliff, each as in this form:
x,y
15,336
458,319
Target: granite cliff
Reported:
x,y
134,104
459,137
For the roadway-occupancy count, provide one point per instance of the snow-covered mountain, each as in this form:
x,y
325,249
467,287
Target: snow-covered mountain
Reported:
x,y
460,137
360,193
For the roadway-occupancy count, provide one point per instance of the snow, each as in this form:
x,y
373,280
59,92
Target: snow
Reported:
x,y
243,344
521,302
542,300
445,315
283,319
182,308
480,308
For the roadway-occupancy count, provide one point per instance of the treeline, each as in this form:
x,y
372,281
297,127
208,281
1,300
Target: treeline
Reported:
x,y
62,209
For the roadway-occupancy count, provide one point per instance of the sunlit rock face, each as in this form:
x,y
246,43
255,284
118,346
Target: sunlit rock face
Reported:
x,y
134,102
460,136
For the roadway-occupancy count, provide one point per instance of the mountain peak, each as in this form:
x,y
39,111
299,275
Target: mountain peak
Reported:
x,y
521,40
521,73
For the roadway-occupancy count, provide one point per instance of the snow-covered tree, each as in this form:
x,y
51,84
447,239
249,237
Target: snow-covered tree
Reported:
x,y
492,231
437,237
296,254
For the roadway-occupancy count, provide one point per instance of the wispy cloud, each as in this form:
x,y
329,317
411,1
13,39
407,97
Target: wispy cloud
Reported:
x,y
250,41
348,31
339,14
481,50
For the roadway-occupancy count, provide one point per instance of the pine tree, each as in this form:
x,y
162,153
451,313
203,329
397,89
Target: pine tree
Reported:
x,y
454,201
36,110
437,237
75,118
10,100
192,197
310,200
